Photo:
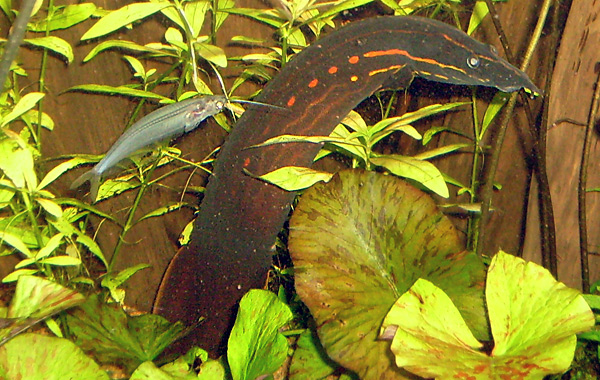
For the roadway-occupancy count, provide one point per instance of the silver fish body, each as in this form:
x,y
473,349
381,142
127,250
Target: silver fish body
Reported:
x,y
163,124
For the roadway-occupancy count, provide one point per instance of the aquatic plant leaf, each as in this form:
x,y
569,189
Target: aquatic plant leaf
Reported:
x,y
310,360
113,337
361,241
534,319
39,357
256,347
35,299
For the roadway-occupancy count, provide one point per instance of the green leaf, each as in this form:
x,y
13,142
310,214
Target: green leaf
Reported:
x,y
173,206
61,261
220,17
441,151
35,299
39,357
358,243
136,65
24,104
123,45
50,207
53,43
480,10
123,17
492,111
533,317
15,275
195,13
60,169
294,178
113,337
310,360
64,18
418,170
50,246
256,347
339,8
212,53
15,242
90,244
113,281
118,90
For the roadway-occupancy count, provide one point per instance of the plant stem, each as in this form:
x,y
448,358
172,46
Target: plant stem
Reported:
x,y
14,41
582,191
488,186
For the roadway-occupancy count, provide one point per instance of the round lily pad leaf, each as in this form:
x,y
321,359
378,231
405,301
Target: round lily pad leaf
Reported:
x,y
358,243
39,357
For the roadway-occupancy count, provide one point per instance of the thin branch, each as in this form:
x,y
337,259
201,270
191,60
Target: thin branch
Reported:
x,y
582,191
487,188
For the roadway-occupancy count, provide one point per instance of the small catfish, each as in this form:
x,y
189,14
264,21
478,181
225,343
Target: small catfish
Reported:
x,y
163,124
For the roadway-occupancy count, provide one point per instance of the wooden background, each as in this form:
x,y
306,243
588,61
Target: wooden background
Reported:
x,y
88,123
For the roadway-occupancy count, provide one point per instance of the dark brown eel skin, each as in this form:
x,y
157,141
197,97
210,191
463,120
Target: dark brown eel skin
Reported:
x,y
232,242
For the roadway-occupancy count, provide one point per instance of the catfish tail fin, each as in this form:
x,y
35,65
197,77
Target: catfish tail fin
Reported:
x,y
94,179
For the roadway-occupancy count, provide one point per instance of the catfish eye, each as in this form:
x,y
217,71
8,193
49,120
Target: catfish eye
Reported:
x,y
473,61
220,105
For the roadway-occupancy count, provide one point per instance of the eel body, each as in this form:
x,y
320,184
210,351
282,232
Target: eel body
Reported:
x,y
234,233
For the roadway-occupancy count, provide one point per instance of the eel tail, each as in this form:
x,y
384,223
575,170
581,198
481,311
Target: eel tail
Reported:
x,y
93,177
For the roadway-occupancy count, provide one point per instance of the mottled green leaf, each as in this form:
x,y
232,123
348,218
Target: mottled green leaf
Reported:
x,y
310,360
40,357
212,53
358,243
111,336
256,347
533,317
122,17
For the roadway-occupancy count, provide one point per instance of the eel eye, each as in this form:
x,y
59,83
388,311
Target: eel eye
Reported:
x,y
493,49
473,62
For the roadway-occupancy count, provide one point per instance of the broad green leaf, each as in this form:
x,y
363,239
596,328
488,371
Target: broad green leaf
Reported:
x,y
174,206
16,161
15,242
356,122
90,244
256,347
50,246
195,13
480,10
418,170
124,45
148,370
60,169
35,299
118,90
53,43
64,18
61,261
39,357
381,128
112,336
212,53
113,281
32,117
220,17
294,178
533,317
310,360
492,111
15,275
269,17
284,139
50,207
443,150
136,65
358,243
24,104
123,17
339,8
